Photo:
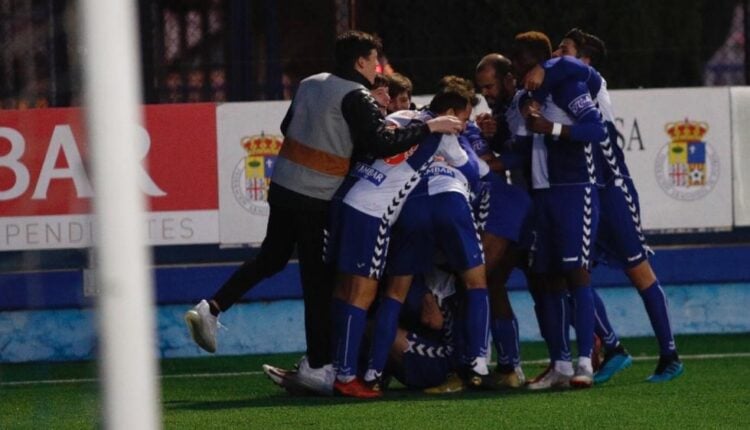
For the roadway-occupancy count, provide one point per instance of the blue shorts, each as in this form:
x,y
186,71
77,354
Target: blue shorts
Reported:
x,y
430,223
565,224
504,209
620,242
426,363
362,243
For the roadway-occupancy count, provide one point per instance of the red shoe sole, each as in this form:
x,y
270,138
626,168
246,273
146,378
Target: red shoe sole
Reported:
x,y
355,389
581,384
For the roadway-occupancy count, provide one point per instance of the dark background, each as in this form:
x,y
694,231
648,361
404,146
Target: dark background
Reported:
x,y
237,50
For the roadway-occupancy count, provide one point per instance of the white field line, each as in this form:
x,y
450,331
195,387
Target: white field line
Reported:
x,y
258,372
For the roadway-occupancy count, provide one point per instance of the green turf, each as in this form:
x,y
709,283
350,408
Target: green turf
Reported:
x,y
713,393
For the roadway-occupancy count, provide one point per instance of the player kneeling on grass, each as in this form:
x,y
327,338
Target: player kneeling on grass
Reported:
x,y
428,345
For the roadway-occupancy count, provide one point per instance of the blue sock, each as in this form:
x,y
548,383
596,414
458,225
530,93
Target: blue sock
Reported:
x,y
477,322
583,297
556,321
386,324
537,297
349,327
571,306
602,326
505,338
656,306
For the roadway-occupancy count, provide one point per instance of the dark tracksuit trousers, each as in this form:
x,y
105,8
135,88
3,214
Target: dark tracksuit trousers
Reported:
x,y
299,220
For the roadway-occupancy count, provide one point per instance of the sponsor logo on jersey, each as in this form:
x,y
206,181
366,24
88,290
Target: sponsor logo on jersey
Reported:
x,y
581,104
440,171
252,175
368,173
687,167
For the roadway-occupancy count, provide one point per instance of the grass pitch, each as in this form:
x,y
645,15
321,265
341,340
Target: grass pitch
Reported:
x,y
231,392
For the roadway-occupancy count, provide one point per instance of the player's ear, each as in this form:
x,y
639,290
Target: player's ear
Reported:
x,y
359,63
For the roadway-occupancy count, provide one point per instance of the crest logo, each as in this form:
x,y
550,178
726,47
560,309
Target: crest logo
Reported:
x,y
687,168
252,175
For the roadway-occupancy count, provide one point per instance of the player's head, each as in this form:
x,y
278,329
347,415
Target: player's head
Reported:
x,y
594,50
379,91
399,88
494,78
461,84
589,48
359,51
529,49
454,101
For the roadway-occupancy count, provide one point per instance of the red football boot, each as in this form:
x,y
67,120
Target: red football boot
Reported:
x,y
356,388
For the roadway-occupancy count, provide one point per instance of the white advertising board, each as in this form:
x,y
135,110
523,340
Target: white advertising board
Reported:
x,y
677,144
741,154
248,139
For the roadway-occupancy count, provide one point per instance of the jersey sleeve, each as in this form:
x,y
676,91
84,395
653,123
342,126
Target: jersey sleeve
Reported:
x,y
370,132
474,136
474,168
559,70
452,151
574,97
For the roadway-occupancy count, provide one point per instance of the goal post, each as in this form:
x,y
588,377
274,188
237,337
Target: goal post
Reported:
x,y
125,310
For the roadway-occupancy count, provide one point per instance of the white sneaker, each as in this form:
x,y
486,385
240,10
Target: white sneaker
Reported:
x,y
286,379
551,379
202,325
277,375
318,380
583,378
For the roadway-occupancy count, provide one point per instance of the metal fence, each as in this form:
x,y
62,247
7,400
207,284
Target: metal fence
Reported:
x,y
231,50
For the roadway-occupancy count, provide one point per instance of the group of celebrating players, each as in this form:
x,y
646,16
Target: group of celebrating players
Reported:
x,y
425,212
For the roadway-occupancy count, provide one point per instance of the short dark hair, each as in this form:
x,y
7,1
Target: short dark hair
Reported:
x,y
535,43
500,63
588,45
578,37
455,98
462,84
381,80
352,45
398,83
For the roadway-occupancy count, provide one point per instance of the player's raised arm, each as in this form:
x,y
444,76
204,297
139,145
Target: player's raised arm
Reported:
x,y
371,135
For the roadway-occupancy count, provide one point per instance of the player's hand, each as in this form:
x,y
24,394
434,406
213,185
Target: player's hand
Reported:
x,y
537,123
431,316
447,124
529,107
486,124
534,78
496,165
